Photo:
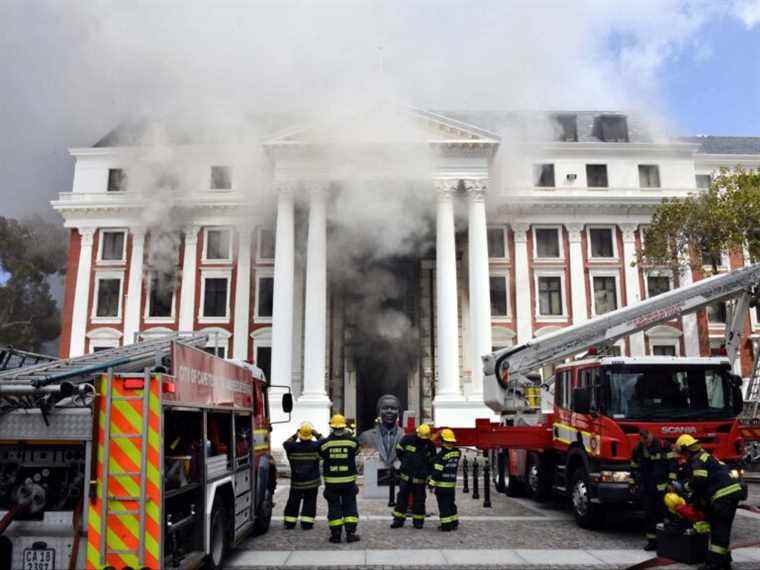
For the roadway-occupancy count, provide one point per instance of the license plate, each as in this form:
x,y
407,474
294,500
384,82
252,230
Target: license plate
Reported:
x,y
39,559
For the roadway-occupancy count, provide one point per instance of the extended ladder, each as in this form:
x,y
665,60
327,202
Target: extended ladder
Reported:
x,y
752,396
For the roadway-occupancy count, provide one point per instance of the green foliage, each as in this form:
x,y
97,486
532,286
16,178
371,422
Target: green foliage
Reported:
x,y
704,225
31,252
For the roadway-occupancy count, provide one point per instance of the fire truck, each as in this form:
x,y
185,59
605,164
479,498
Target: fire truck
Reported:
x,y
154,455
573,436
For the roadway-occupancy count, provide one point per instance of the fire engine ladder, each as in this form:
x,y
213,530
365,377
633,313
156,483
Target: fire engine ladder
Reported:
x,y
139,439
752,397
11,358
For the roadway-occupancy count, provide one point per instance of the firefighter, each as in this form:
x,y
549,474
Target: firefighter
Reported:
x,y
303,455
653,466
415,453
338,452
443,479
714,491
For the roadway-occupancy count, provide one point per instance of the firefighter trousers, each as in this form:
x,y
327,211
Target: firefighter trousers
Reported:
x,y
654,512
341,508
417,492
447,508
721,515
308,509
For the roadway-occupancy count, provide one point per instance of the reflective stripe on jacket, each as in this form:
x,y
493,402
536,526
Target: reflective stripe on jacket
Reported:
x,y
415,455
338,452
445,468
303,457
710,478
653,466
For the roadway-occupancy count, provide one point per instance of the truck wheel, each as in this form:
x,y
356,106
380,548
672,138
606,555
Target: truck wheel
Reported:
x,y
500,462
512,486
219,536
263,514
536,485
587,514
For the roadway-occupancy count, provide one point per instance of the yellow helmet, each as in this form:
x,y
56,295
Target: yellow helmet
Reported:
x,y
423,431
673,500
447,435
686,441
338,421
305,431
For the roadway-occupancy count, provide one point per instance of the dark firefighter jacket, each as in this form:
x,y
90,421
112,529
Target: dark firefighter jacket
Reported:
x,y
654,465
445,467
304,463
415,455
338,452
710,479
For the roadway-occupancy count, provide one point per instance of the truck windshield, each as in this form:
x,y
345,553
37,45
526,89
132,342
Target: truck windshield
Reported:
x,y
665,392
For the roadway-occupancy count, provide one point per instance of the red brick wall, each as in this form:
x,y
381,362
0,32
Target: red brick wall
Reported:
x,y
72,266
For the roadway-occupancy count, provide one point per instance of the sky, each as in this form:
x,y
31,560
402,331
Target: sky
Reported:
x,y
73,70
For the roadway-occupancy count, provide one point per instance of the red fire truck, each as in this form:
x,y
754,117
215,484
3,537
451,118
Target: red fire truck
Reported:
x,y
154,455
579,442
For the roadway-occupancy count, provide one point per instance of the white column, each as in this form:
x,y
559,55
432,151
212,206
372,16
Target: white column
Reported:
x,y
448,390
577,274
522,283
480,290
80,315
632,284
134,288
690,323
314,405
242,295
187,291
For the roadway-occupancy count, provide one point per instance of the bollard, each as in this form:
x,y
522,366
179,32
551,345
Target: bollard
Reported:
x,y
392,488
487,482
466,485
475,485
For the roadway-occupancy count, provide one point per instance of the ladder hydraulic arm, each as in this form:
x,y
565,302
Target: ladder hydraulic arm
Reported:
x,y
506,370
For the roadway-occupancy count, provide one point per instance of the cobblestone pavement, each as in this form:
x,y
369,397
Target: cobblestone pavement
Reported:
x,y
526,534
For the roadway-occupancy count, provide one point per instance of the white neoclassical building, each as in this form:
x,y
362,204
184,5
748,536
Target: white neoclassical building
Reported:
x,y
529,230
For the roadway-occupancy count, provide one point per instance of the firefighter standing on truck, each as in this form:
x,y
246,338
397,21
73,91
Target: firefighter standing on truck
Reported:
x,y
717,493
415,453
338,452
443,479
653,466
303,456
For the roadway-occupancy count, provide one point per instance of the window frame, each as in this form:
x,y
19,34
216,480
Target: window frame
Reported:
x,y
560,241
538,171
615,274
561,119
658,273
267,273
98,277
537,274
500,318
102,240
613,231
158,320
211,186
214,274
656,168
261,338
696,180
205,259
215,333
122,183
259,257
606,174
505,237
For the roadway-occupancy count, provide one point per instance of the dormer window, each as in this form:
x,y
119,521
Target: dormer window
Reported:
x,y
611,128
567,127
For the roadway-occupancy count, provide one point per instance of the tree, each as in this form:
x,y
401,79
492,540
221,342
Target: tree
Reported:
x,y
31,253
698,229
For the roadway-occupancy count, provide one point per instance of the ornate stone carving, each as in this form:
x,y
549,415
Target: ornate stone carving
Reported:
x,y
574,232
446,187
191,234
476,188
629,232
521,232
88,236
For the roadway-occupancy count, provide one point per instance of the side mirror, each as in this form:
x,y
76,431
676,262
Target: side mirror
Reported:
x,y
582,400
287,402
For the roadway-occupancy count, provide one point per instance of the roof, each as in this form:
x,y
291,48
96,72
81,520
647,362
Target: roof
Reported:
x,y
725,145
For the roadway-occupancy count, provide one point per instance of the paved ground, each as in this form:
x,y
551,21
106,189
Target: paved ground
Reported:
x,y
514,533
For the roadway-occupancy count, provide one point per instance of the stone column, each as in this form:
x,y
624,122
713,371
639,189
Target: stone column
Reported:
x,y
242,295
80,314
523,312
632,284
448,390
480,290
690,323
314,405
577,274
134,288
189,270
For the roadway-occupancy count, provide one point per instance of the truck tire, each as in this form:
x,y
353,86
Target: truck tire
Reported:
x,y
500,462
263,515
512,486
220,536
535,479
587,514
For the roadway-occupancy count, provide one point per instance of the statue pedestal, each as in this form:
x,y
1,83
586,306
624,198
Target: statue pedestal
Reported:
x,y
376,479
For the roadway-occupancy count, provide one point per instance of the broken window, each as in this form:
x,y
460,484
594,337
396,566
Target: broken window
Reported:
x,y
596,175
117,180
703,180
265,297
496,245
547,243
221,178
649,176
611,128
601,242
108,298
161,296
215,297
550,296
498,296
218,244
657,284
605,294
567,127
112,248
543,175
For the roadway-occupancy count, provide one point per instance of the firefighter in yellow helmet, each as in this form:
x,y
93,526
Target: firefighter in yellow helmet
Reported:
x,y
716,493
302,450
415,452
338,452
443,479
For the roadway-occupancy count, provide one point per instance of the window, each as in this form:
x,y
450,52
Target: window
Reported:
x,y
716,313
657,284
560,379
220,351
663,350
215,297
602,242
547,243
611,128
266,244
550,296
711,259
108,297
703,180
498,296
613,350
264,360
220,178
596,175
543,175
605,294
161,297
112,245
567,126
264,296
117,180
649,176
218,242
497,247
100,348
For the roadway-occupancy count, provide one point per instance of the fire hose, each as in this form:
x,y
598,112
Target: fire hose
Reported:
x,y
28,498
